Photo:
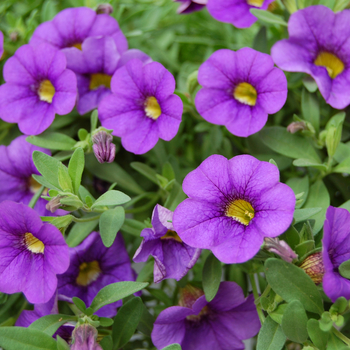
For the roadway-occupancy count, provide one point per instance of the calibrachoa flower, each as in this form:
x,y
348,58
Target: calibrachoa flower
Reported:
x,y
188,6
72,26
221,324
172,257
318,46
16,169
142,108
240,89
31,253
92,267
94,66
236,12
232,205
38,86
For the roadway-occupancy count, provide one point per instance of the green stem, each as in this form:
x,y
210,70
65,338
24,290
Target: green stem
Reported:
x,y
91,218
36,197
341,336
256,296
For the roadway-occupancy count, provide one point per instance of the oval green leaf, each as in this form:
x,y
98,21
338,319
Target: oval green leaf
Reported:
x,y
211,276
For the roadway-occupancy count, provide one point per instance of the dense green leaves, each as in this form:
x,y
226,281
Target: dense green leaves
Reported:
x,y
271,336
211,276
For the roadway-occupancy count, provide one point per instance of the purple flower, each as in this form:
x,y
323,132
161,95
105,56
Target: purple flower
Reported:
x,y
318,46
31,253
221,324
92,267
240,89
233,205
38,86
72,26
236,12
103,147
1,44
94,66
172,257
188,6
142,108
16,169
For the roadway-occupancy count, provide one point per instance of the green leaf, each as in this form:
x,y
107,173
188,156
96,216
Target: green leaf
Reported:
x,y
310,109
260,40
105,321
334,343
299,185
64,179
111,198
62,344
292,283
146,322
340,5
294,322
302,162
317,336
126,321
94,120
291,236
334,129
15,338
161,295
133,227
344,269
114,292
211,276
176,196
267,17
277,314
62,221
304,248
106,343
80,231
79,304
52,140
110,223
343,167
304,214
310,84
47,167
168,171
290,145
76,168
146,171
173,347
271,336
41,180
146,273
50,323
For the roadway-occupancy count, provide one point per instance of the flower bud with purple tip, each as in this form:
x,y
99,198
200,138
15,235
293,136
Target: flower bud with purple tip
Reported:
x,y
103,147
84,338
104,8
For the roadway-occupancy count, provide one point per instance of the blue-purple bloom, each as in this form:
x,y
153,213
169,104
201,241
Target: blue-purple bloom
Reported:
x,y
31,253
240,89
318,45
143,107
221,324
236,12
92,267
37,87
232,205
188,6
172,257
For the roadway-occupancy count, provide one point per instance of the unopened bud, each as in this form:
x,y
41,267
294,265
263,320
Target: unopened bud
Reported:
x,y
189,295
281,248
14,36
103,147
84,338
296,126
54,204
104,8
314,267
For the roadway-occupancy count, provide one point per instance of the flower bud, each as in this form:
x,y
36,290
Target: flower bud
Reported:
x,y
84,338
54,204
104,8
296,126
281,248
314,267
103,147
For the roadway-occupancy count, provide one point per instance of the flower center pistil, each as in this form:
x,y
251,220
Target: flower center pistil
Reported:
x,y
331,62
100,79
241,211
33,244
88,272
246,94
77,46
172,235
46,91
152,108
256,3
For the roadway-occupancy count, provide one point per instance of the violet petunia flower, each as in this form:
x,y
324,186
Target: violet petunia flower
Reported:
x,y
37,87
72,26
31,253
318,45
221,324
16,170
236,12
92,267
94,66
240,89
172,257
232,205
143,107
188,6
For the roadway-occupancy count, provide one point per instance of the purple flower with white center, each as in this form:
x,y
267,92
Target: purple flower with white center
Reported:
x,y
240,89
172,257
221,324
318,45
92,267
37,87
1,44
16,170
94,66
31,253
72,26
188,6
232,205
236,12
143,107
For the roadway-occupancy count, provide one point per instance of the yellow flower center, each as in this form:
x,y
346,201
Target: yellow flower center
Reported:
x,y
152,108
331,62
241,211
77,45
100,79
172,235
33,244
245,93
256,3
89,272
46,91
